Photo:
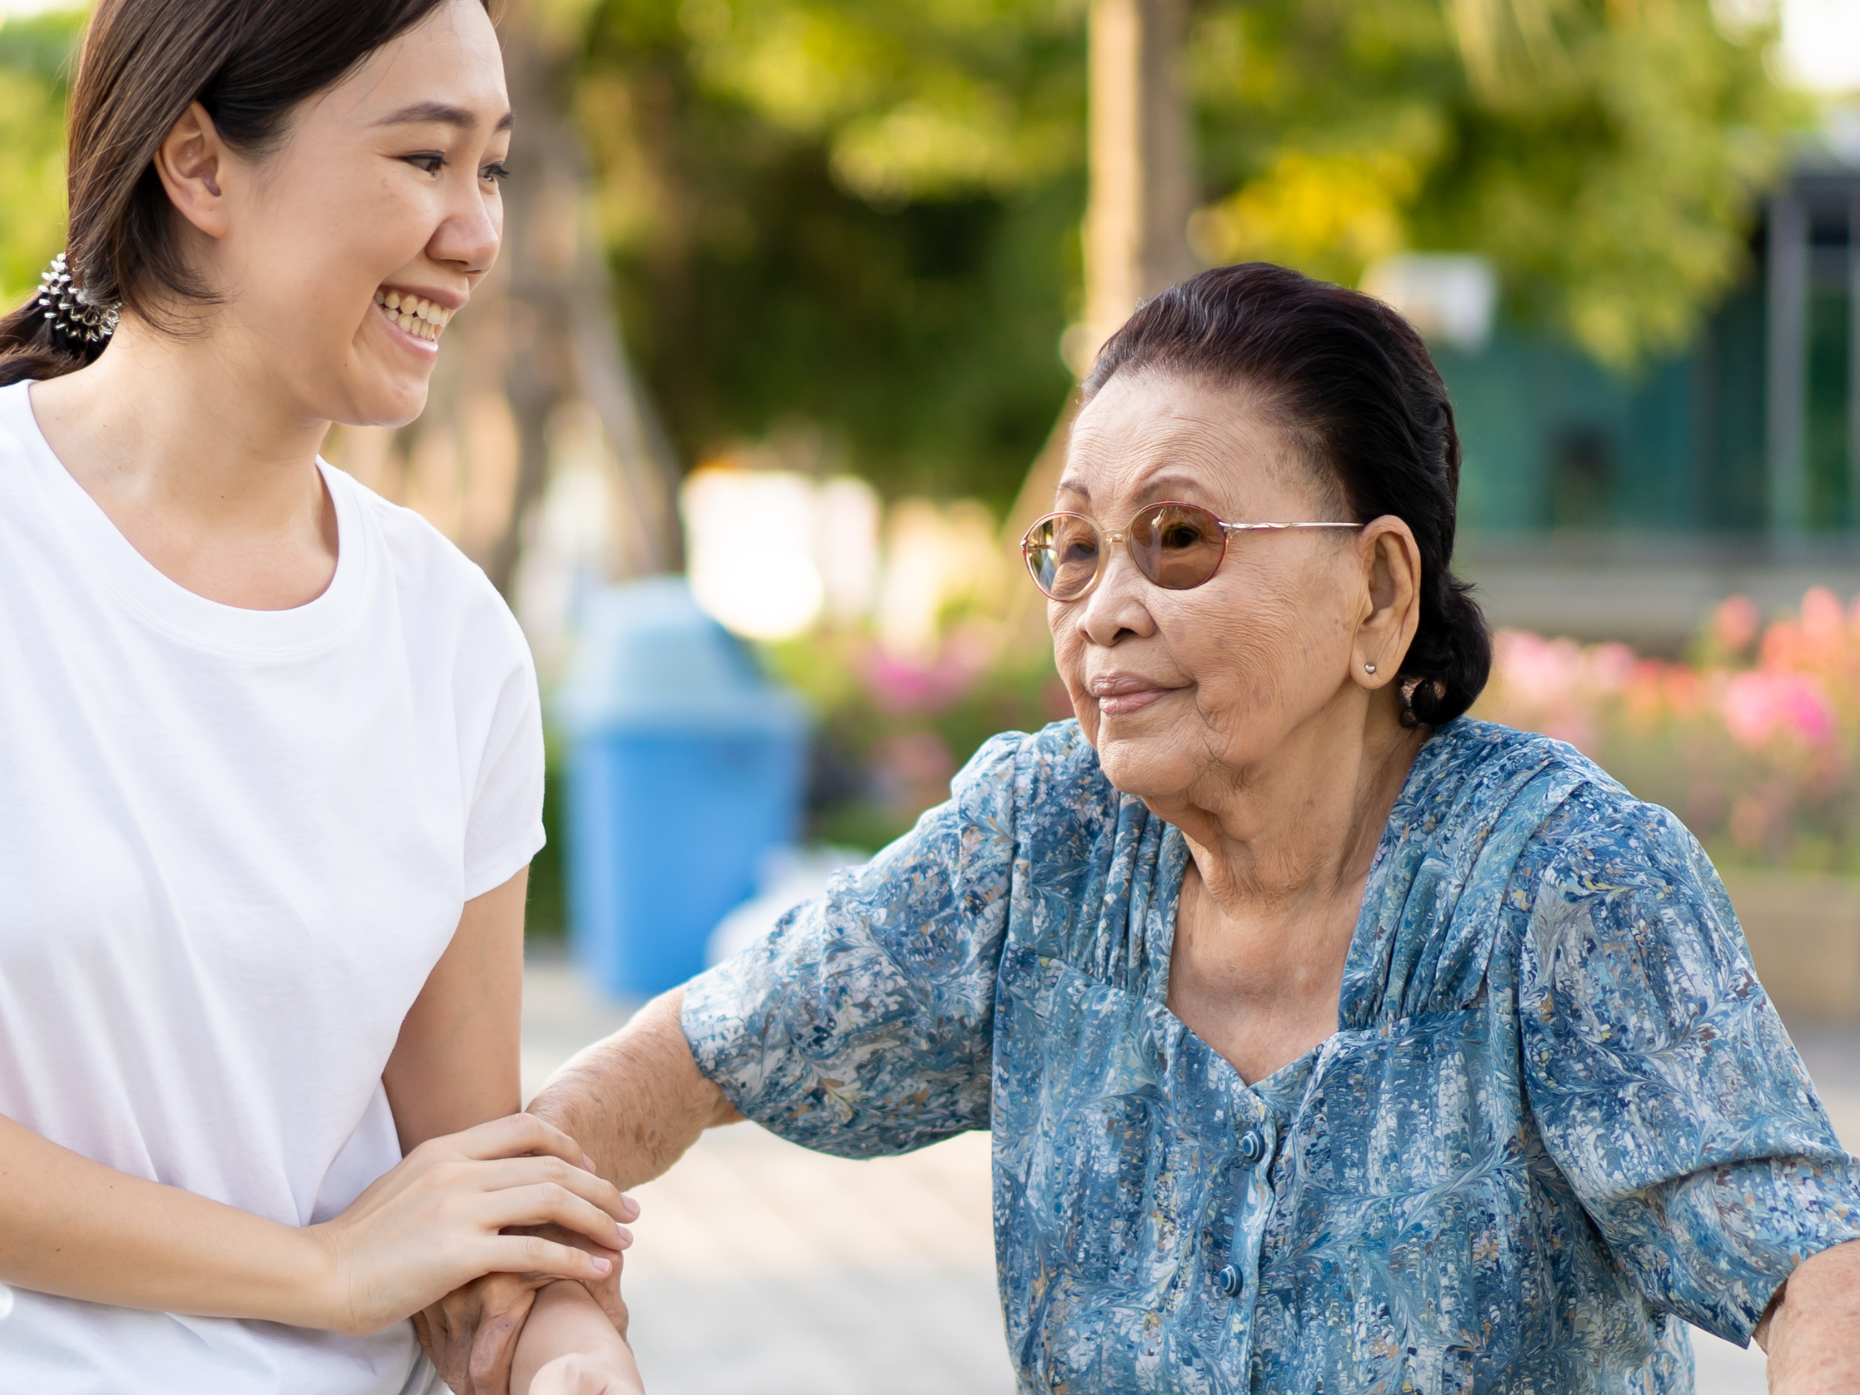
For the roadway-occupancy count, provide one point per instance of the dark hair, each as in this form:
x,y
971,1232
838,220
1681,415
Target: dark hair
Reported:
x,y
1358,392
248,62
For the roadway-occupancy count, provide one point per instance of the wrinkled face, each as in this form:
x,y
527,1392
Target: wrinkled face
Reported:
x,y
350,246
1184,690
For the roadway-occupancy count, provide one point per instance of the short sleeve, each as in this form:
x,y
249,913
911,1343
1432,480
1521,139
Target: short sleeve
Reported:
x,y
863,1024
503,824
1662,1080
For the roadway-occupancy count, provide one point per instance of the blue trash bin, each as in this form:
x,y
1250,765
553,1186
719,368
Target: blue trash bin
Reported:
x,y
687,767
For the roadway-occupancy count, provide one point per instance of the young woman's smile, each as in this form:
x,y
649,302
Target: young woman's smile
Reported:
x,y
420,319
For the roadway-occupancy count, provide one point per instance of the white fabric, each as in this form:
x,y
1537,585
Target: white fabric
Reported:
x,y
233,844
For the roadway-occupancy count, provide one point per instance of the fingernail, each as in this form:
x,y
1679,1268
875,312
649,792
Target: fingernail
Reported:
x,y
626,1236
587,1163
602,1266
631,1207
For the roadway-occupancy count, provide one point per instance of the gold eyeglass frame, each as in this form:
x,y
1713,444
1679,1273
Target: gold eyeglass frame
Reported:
x,y
1107,536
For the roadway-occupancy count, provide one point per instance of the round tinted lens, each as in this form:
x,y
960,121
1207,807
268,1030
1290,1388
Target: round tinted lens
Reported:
x,y
1062,553
1177,545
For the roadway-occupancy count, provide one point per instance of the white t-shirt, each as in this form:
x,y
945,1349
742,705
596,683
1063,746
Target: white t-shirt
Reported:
x,y
233,844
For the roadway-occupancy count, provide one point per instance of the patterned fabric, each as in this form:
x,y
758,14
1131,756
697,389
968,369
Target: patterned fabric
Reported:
x,y
1559,1118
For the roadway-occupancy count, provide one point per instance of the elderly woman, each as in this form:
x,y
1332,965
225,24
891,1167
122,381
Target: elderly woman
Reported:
x,y
1330,1040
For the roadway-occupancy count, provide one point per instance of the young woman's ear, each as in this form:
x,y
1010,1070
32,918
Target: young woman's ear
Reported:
x,y
191,162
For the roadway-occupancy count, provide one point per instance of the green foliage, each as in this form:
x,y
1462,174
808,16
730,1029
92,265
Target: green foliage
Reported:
x,y
1604,153
35,55
915,98
864,212
775,262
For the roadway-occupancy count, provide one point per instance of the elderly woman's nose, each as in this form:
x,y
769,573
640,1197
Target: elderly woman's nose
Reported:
x,y
1116,605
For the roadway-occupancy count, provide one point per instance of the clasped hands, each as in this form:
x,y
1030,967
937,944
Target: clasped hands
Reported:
x,y
472,1334
516,1206
557,1323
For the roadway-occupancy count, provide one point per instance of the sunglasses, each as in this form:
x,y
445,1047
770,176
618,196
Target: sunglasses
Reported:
x,y
1175,546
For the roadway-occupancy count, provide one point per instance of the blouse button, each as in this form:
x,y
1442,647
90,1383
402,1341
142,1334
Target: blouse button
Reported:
x,y
1229,1281
1249,1147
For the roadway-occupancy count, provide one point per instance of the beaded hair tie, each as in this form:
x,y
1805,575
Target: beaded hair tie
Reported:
x,y
72,315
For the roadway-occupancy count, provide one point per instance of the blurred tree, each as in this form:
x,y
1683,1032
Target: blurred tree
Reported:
x,y
864,211
1142,162
35,55
1605,154
863,216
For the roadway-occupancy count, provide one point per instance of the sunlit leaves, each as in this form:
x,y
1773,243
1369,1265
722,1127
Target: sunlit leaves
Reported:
x,y
796,182
1606,156
33,55
915,98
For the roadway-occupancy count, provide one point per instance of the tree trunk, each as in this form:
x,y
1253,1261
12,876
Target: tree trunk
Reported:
x,y
1142,159
1143,189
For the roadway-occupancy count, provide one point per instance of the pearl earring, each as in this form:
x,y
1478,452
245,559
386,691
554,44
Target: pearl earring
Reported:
x,y
1369,668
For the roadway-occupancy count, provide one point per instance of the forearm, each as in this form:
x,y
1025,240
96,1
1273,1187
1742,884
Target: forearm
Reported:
x,y
637,1100
76,1228
1812,1332
567,1322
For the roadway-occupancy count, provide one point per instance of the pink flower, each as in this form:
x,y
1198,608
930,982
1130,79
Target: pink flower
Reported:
x,y
1610,666
1684,691
1821,616
1735,623
1759,705
1536,670
901,685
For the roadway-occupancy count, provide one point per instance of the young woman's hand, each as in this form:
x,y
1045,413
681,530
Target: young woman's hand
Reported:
x,y
435,1222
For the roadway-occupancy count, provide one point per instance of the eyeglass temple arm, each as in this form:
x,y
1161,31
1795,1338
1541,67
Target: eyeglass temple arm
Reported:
x,y
1227,527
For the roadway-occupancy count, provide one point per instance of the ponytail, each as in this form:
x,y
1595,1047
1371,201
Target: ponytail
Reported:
x,y
1451,656
58,331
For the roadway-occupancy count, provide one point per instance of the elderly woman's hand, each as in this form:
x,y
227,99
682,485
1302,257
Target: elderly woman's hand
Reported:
x,y
1812,1335
635,1101
471,1334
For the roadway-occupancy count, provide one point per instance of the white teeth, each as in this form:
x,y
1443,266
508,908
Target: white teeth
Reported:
x,y
419,316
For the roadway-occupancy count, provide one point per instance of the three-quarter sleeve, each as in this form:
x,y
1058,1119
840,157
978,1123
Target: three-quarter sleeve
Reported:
x,y
863,1024
1660,1077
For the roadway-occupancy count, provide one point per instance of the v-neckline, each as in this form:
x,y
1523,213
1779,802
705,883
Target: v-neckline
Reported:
x,y
1173,859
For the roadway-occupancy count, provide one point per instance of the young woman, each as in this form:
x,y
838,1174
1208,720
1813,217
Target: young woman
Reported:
x,y
269,747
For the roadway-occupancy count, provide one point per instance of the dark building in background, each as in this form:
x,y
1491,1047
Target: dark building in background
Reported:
x,y
1603,505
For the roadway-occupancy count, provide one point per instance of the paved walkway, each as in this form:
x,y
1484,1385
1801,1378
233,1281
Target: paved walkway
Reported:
x,y
764,1269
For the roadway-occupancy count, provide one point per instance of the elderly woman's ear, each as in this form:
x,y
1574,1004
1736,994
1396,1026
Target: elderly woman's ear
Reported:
x,y
1391,612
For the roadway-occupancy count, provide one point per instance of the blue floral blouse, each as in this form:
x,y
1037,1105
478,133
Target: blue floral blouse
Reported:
x,y
1558,1120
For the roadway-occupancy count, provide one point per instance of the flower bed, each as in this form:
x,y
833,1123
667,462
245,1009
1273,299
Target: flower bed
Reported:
x,y
1753,742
